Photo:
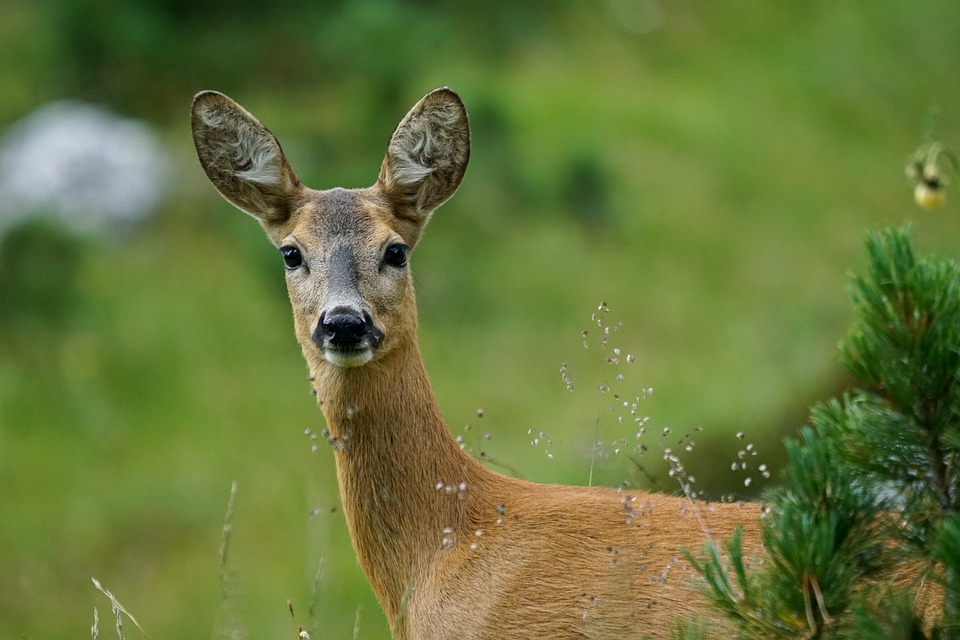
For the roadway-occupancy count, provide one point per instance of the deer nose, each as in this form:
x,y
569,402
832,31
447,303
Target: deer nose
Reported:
x,y
342,328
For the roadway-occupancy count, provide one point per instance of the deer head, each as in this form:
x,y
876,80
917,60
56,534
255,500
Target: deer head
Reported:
x,y
345,250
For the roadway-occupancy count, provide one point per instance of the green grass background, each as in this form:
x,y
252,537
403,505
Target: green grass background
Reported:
x,y
707,169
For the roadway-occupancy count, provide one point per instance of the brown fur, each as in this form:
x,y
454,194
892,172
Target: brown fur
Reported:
x,y
451,548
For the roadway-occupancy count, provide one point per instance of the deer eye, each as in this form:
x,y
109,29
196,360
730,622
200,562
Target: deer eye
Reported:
x,y
396,255
292,258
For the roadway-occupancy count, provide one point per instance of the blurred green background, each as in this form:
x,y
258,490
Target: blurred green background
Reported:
x,y
708,169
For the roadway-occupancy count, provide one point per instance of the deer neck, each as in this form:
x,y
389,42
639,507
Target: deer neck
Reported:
x,y
404,482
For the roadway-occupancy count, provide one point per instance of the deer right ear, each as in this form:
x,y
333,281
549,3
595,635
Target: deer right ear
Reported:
x,y
242,158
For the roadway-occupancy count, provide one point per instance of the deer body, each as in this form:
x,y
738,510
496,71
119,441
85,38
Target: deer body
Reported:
x,y
452,549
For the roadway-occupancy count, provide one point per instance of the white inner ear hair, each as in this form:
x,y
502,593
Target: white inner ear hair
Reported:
x,y
425,145
412,149
245,150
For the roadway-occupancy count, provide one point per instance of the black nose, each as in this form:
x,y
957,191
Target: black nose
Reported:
x,y
341,328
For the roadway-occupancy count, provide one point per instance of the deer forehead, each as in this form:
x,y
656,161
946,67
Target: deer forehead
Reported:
x,y
359,218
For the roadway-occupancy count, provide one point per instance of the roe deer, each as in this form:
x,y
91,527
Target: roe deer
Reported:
x,y
495,557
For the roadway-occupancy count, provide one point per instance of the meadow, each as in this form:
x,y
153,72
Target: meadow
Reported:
x,y
707,170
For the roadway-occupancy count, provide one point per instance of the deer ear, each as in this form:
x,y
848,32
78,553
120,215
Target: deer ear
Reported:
x,y
242,158
427,155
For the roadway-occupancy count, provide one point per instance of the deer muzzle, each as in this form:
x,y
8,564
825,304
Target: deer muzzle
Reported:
x,y
347,337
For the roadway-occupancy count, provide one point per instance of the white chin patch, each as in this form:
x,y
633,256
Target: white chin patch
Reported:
x,y
351,358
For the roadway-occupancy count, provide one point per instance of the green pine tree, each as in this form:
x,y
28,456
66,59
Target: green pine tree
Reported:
x,y
863,536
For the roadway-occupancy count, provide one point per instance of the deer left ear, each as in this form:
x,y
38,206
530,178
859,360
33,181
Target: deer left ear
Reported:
x,y
427,155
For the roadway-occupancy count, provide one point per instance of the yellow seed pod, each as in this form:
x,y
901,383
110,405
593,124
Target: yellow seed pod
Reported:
x,y
929,196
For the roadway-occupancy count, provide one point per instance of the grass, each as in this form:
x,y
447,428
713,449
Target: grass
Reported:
x,y
744,151
119,612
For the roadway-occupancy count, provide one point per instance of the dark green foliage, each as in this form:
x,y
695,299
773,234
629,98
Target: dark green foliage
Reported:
x,y
144,54
39,261
868,511
905,350
946,551
893,619
822,537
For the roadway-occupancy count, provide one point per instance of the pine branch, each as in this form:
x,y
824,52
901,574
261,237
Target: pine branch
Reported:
x,y
872,485
905,350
